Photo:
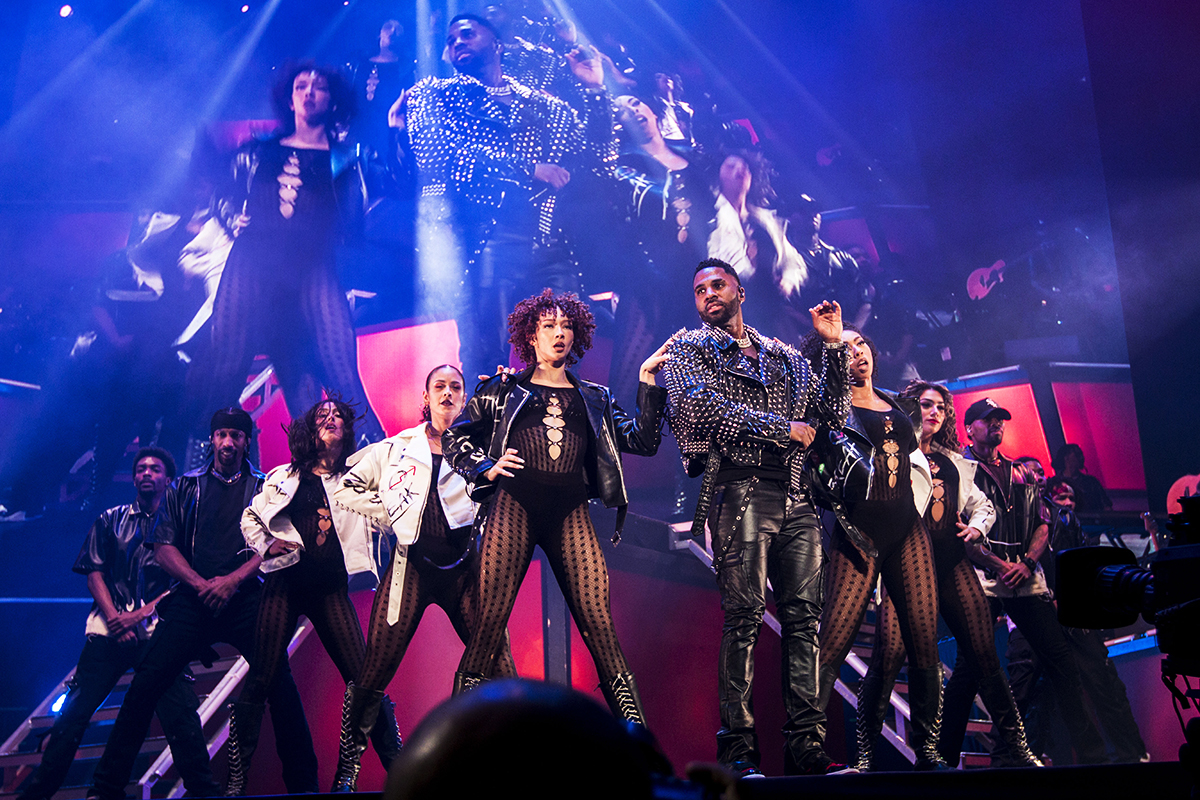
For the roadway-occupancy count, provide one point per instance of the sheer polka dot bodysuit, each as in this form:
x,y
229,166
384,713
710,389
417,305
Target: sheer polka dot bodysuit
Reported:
x,y
891,521
960,597
545,504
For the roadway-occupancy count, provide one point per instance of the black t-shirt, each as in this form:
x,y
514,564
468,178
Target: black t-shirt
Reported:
x,y
219,545
321,561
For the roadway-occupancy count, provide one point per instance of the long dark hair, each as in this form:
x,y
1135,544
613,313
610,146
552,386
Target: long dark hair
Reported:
x,y
302,435
426,414
947,437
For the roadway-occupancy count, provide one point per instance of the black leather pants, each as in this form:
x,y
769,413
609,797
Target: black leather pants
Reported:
x,y
759,533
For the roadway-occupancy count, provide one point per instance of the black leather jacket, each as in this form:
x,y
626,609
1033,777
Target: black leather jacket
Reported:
x,y
181,508
841,463
475,442
1020,510
349,183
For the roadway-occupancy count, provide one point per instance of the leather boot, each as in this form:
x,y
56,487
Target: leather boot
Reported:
x,y
925,703
245,722
466,681
827,676
622,696
385,736
360,714
873,702
998,699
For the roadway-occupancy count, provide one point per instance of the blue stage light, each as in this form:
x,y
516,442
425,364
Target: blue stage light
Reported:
x,y
57,705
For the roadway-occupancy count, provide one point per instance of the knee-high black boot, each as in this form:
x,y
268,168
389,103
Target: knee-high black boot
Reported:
x,y
360,714
998,699
622,696
466,681
873,704
385,736
827,676
245,722
925,702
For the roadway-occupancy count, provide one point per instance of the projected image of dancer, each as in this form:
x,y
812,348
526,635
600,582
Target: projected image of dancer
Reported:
x,y
291,198
953,494
309,547
881,533
405,484
537,445
493,156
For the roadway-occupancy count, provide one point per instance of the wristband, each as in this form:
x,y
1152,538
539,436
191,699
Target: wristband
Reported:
x,y
1029,563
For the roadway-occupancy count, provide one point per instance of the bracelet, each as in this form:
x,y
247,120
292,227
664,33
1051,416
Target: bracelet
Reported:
x,y
1029,563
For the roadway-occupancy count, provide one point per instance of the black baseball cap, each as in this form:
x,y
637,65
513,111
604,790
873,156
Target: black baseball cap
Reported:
x,y
987,407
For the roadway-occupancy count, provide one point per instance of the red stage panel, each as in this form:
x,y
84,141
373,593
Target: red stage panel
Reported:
x,y
393,365
1101,419
1023,436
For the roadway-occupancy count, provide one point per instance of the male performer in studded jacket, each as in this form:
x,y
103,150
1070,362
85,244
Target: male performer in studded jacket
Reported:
x,y
743,409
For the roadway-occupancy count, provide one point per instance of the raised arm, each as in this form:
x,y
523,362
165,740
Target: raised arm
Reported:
x,y
640,434
465,443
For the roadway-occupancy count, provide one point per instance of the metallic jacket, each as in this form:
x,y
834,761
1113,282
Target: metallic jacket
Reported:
x,y
481,153
479,438
119,545
720,407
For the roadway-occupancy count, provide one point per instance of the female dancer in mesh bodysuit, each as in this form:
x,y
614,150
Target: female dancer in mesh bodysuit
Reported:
x,y
960,597
539,444
404,484
309,547
889,540
290,199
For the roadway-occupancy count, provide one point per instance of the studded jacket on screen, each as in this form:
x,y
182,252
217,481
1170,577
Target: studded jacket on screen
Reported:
x,y
481,153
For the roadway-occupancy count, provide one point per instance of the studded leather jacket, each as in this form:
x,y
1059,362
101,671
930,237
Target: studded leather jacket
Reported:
x,y
718,407
481,153
476,441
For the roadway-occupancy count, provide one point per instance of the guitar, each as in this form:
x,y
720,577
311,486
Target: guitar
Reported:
x,y
984,279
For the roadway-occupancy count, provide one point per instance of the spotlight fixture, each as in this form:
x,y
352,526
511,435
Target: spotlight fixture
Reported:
x,y
66,11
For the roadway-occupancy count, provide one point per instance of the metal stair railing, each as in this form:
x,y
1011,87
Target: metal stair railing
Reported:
x,y
212,706
894,734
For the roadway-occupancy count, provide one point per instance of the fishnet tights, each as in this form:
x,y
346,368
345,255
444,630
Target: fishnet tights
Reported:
x,y
908,575
575,557
301,322
332,615
454,590
964,607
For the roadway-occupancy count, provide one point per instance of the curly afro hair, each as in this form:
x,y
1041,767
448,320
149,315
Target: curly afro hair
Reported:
x,y
947,437
523,322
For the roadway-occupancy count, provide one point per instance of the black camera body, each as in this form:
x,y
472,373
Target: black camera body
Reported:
x,y
1103,587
